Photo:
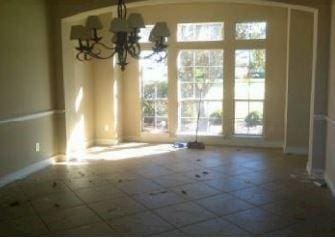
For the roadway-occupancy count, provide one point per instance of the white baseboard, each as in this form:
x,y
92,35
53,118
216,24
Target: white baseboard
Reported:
x,y
309,168
330,184
296,150
22,173
106,141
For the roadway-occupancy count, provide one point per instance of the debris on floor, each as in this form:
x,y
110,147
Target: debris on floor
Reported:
x,y
205,173
113,209
198,160
54,184
197,176
56,205
14,204
320,183
299,217
157,193
183,192
120,181
304,177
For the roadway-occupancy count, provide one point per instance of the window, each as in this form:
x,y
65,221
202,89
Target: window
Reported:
x,y
145,33
251,31
188,32
200,75
249,91
154,91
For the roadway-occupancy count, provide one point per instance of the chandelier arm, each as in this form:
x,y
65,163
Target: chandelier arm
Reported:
x,y
134,50
97,56
103,45
124,8
78,56
119,9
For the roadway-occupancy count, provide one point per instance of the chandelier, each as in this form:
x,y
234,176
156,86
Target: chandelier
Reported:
x,y
125,39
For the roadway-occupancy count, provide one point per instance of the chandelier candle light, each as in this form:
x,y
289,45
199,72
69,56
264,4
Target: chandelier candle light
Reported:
x,y
125,38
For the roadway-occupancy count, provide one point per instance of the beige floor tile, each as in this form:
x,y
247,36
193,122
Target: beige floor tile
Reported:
x,y
229,184
70,218
229,169
203,174
141,224
37,189
115,208
157,199
173,233
184,214
81,183
215,227
258,221
122,176
321,226
154,171
258,196
138,186
195,191
56,202
97,194
15,209
183,166
173,180
25,226
224,204
99,229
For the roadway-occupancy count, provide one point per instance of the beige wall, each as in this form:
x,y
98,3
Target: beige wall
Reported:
x,y
229,14
26,84
299,82
330,163
79,96
107,93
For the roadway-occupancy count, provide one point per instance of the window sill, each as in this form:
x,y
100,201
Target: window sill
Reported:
x,y
199,135
164,133
242,136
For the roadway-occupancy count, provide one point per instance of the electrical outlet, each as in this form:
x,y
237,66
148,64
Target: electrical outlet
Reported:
x,y
106,127
37,147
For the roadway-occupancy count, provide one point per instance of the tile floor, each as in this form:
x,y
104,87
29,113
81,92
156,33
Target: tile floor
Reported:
x,y
156,190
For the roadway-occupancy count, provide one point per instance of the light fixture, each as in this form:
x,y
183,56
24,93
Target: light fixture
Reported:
x,y
125,38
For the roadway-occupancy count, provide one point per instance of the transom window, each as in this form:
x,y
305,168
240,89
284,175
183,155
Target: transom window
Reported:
x,y
209,31
154,92
200,75
249,91
251,31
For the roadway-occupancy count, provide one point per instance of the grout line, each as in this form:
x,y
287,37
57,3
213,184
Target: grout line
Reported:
x,y
85,204
34,209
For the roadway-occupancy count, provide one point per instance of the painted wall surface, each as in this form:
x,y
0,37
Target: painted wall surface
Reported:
x,y
229,14
299,81
79,97
107,93
330,163
26,84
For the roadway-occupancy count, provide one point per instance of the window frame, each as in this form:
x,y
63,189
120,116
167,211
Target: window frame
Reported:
x,y
196,100
264,100
155,100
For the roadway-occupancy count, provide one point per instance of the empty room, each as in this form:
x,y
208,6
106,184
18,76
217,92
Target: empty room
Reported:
x,y
167,118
